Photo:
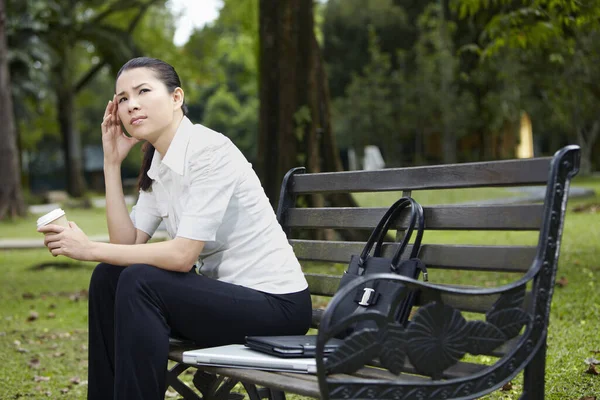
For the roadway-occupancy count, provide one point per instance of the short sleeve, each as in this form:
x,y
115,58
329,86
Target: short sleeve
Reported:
x,y
213,179
144,214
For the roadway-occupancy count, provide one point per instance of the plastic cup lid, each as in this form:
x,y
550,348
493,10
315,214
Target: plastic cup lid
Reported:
x,y
51,216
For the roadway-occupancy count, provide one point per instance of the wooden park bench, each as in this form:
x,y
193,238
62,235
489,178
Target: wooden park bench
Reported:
x,y
500,328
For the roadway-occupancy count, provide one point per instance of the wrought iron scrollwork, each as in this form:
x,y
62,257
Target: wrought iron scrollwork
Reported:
x,y
436,338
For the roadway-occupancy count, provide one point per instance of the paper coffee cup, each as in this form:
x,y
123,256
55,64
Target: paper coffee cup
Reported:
x,y
54,217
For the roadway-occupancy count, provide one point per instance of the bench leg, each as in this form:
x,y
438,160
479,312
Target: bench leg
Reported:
x,y
173,380
277,395
214,387
534,376
255,393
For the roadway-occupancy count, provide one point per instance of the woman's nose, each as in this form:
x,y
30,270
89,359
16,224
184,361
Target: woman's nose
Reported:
x,y
133,105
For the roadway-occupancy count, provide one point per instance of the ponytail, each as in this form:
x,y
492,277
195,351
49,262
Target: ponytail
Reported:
x,y
144,181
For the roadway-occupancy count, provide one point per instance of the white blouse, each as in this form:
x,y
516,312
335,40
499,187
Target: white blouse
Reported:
x,y
205,189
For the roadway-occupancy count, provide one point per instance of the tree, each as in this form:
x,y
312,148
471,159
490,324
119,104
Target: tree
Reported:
x,y
62,26
11,198
346,36
295,117
560,37
371,97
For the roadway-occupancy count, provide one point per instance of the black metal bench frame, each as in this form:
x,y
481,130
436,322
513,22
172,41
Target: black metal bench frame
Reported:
x,y
515,326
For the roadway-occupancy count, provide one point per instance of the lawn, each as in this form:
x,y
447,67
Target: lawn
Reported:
x,y
92,221
43,303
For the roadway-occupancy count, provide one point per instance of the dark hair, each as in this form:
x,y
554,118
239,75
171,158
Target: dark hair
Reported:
x,y
167,74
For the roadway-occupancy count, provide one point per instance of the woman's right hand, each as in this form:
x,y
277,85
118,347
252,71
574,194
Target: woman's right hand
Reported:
x,y
115,143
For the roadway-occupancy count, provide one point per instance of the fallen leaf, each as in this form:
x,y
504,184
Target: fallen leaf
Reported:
x,y
64,390
590,208
75,380
84,347
592,370
562,282
595,351
588,398
37,378
51,315
28,296
17,343
22,350
52,306
507,386
58,354
591,360
32,316
54,346
34,363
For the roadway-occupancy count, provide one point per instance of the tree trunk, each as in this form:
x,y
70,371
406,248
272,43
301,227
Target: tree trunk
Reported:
x,y
11,197
65,94
295,117
586,140
279,71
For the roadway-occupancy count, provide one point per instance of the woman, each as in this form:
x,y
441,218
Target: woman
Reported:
x,y
228,271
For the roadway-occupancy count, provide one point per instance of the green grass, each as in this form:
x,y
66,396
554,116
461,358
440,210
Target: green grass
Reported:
x,y
92,221
57,288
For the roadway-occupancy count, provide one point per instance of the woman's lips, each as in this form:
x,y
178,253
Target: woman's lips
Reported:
x,y
137,120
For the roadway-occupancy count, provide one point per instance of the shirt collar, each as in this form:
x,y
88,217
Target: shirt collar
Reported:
x,y
175,156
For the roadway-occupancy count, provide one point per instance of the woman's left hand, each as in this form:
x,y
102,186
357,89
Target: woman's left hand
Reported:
x,y
71,242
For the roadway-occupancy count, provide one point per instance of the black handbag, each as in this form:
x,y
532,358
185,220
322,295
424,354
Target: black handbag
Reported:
x,y
379,295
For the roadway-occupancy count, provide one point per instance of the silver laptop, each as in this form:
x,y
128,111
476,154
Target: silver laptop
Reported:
x,y
240,356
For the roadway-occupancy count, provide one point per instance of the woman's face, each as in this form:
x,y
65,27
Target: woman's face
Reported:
x,y
145,106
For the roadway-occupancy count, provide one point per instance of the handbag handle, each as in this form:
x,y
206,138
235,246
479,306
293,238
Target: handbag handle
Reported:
x,y
382,228
416,217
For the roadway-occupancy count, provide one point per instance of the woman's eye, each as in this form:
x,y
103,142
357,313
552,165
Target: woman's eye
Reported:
x,y
122,98
144,90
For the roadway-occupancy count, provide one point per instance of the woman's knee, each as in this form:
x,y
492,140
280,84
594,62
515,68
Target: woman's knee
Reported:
x,y
138,277
105,275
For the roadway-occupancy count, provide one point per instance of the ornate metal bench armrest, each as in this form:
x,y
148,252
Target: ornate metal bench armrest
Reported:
x,y
436,338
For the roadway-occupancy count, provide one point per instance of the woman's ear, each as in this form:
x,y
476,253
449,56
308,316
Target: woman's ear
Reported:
x,y
178,97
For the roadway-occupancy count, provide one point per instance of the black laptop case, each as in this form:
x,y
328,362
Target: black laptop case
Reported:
x,y
302,346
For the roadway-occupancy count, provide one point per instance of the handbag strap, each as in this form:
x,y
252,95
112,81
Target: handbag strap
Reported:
x,y
417,220
378,233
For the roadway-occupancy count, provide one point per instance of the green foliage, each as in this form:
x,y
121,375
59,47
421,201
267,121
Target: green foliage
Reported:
x,y
369,96
225,114
223,80
346,36
554,44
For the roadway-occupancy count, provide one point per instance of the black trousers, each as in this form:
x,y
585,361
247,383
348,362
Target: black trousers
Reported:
x,y
133,311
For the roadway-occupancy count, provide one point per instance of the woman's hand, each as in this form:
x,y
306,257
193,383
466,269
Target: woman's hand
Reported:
x,y
70,242
115,143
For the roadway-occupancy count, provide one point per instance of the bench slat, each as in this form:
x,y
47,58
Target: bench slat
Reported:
x,y
494,217
272,380
459,257
481,174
